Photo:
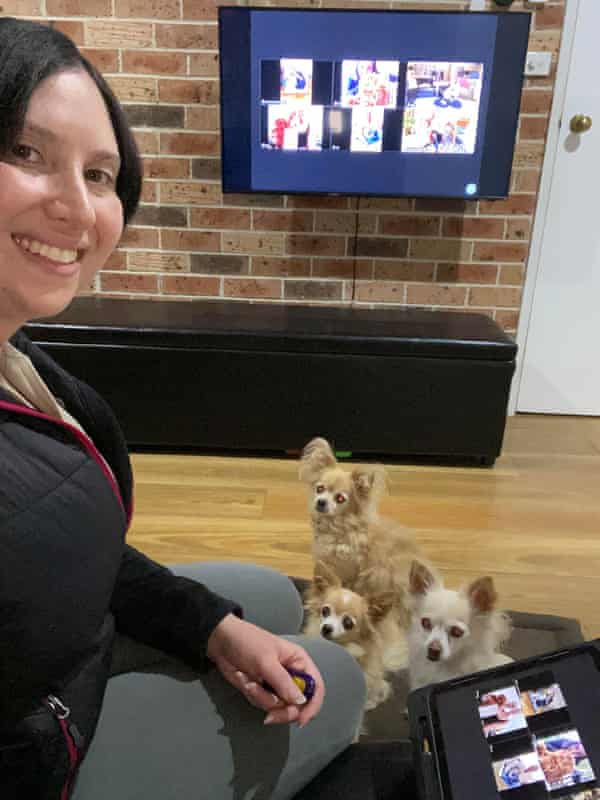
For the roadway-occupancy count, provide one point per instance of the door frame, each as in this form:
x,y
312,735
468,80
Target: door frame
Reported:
x,y
545,189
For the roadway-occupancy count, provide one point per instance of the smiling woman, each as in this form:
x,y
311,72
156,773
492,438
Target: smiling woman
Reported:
x,y
70,179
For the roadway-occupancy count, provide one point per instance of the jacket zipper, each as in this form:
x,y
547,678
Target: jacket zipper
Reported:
x,y
73,740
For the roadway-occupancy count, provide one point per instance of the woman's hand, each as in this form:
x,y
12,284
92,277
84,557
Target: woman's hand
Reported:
x,y
246,655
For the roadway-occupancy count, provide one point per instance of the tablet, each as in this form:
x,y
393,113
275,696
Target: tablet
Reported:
x,y
529,730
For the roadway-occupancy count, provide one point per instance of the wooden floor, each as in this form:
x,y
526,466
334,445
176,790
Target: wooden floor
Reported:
x,y
532,521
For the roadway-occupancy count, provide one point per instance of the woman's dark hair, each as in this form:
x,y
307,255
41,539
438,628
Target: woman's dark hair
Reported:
x,y
30,53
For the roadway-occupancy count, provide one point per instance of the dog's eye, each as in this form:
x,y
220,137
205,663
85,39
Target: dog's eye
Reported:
x,y
426,623
339,498
456,632
348,623
319,489
325,611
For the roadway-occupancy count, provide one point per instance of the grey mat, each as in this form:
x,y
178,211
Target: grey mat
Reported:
x,y
532,635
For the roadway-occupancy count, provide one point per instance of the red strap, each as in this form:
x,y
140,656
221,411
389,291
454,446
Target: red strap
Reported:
x,y
84,440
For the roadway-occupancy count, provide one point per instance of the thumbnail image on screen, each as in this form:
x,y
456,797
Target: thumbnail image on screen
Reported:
x,y
501,711
564,760
293,127
441,107
296,80
369,83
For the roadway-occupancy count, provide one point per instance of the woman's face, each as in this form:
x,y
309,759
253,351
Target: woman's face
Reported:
x,y
60,216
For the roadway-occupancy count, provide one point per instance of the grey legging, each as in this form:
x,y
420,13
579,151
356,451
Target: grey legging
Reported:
x,y
166,733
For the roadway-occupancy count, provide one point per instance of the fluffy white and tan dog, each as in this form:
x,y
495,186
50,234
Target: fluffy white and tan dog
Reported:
x,y
365,625
452,632
370,554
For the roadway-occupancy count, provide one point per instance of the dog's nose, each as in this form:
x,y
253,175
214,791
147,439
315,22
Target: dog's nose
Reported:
x,y
326,631
321,504
434,651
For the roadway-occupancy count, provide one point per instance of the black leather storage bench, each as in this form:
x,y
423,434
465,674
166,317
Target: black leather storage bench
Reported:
x,y
268,377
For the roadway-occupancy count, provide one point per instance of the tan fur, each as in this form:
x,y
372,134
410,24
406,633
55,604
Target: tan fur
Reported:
x,y
376,640
369,553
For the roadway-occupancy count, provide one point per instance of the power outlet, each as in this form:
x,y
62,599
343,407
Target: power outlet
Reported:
x,y
538,64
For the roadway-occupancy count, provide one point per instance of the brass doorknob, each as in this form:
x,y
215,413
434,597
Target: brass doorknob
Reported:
x,y
580,123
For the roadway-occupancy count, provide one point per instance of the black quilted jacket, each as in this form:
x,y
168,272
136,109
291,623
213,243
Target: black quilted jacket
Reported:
x,y
68,580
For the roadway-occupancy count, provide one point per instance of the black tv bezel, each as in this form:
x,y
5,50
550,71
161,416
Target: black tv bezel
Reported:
x,y
510,125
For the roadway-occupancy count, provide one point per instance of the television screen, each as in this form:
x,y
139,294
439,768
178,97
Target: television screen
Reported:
x,y
390,103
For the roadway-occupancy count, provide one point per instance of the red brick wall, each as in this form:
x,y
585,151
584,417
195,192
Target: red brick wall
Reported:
x,y
189,240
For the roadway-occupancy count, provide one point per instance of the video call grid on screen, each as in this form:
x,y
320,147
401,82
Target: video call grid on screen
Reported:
x,y
533,736
334,43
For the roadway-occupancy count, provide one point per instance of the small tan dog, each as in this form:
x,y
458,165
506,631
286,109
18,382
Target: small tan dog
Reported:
x,y
370,554
364,625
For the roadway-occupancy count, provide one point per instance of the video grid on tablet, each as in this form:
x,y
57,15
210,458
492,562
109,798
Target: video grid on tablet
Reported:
x,y
535,749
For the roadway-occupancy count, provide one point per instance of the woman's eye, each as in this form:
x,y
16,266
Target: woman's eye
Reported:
x,y
26,153
339,498
348,623
100,176
426,623
456,632
325,611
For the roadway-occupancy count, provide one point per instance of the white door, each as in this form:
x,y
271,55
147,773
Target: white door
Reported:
x,y
561,369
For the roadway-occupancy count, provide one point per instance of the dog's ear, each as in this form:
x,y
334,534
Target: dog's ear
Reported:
x,y
420,579
482,594
316,456
324,578
369,483
380,604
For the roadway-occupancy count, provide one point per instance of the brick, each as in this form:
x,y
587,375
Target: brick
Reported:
x,y
271,243
202,118
508,320
493,296
153,116
77,8
133,90
223,218
392,225
188,91
119,34
381,292
191,240
445,205
536,101
549,17
21,8
155,9
386,203
191,285
512,275
546,41
496,251
104,60
518,229
312,290
526,180
149,192
467,273
280,267
441,249
159,262
345,222
153,63
161,216
190,192
262,200
343,268
201,9
252,287
379,247
139,238
404,271
205,65
219,264
187,37
117,260
533,128
522,204
184,144
128,282
282,220
74,30
166,167
207,169
147,142
317,202
434,295
473,227
299,244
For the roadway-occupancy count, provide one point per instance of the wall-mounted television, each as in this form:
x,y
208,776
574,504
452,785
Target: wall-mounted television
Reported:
x,y
358,102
